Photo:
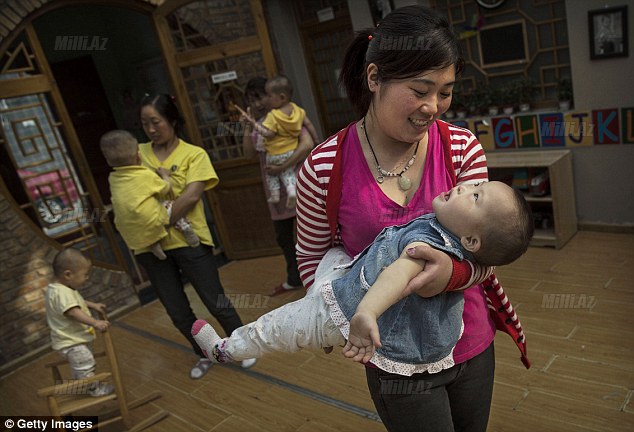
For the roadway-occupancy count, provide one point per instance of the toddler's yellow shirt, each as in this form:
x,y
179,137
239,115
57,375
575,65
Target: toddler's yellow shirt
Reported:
x,y
287,128
138,214
66,332
187,164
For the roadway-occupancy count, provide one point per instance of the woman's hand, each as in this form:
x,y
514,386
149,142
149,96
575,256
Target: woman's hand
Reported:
x,y
274,170
303,149
434,278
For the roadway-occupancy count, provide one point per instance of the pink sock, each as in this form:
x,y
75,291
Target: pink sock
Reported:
x,y
208,341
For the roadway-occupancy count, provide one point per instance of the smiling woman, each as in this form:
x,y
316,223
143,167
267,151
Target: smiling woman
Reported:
x,y
351,187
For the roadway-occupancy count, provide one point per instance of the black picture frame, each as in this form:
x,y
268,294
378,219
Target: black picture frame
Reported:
x,y
513,51
608,32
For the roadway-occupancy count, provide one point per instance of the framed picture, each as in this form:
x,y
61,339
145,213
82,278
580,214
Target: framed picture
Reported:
x,y
608,32
513,51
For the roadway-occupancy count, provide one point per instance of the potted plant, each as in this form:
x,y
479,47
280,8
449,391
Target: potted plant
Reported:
x,y
490,100
458,103
525,92
564,93
508,96
481,98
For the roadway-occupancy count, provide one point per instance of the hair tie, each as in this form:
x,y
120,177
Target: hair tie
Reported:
x,y
173,98
369,37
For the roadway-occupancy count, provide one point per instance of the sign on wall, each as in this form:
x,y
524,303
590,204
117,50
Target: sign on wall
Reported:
x,y
553,129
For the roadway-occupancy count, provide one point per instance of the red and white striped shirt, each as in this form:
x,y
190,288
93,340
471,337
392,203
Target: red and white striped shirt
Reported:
x,y
314,231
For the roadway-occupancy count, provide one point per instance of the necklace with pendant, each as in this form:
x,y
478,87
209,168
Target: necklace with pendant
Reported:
x,y
403,182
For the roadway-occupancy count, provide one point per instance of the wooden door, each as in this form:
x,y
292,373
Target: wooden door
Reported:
x,y
201,41
91,116
324,46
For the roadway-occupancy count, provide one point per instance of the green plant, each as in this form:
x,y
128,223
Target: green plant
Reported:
x,y
458,102
508,94
564,88
482,97
525,89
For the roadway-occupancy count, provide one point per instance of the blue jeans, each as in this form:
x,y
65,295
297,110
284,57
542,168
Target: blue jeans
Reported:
x,y
454,400
199,267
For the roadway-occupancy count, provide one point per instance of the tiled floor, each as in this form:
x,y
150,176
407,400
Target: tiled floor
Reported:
x,y
576,304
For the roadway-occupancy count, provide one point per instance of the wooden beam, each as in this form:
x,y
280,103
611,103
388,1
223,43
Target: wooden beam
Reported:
x,y
24,86
218,51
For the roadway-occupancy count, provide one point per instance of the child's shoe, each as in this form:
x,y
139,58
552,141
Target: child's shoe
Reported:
x,y
157,250
212,345
275,197
208,340
191,237
291,197
101,389
246,364
202,366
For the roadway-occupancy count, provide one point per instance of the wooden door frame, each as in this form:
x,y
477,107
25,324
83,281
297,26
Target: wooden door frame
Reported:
x,y
45,83
174,61
305,30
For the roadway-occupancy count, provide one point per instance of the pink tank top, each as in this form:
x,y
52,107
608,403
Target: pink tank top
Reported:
x,y
364,210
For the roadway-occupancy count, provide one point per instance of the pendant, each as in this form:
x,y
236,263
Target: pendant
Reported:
x,y
380,179
404,183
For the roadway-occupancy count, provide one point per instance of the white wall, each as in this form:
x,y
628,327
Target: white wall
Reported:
x,y
603,184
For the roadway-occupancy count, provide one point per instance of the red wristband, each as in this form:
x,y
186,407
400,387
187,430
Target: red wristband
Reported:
x,y
460,275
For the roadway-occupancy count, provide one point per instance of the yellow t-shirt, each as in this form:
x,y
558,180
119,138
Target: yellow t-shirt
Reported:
x,y
187,164
66,332
138,214
287,128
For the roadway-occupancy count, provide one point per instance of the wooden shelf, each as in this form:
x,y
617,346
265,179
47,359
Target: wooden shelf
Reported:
x,y
545,199
561,201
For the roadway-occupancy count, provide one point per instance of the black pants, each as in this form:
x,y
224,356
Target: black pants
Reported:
x,y
199,267
456,399
285,236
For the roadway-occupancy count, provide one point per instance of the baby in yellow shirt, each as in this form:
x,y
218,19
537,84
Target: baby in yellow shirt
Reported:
x,y
72,326
281,128
139,214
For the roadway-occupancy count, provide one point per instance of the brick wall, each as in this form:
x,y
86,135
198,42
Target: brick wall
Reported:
x,y
25,271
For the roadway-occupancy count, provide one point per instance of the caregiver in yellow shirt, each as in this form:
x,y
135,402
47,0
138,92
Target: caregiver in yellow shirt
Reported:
x,y
191,174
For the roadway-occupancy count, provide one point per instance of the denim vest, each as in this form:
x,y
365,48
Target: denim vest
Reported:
x,y
415,330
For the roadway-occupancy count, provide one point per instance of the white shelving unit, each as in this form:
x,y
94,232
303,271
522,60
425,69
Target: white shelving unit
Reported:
x,y
560,201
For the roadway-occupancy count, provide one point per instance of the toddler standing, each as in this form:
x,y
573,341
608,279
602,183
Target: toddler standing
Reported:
x,y
72,326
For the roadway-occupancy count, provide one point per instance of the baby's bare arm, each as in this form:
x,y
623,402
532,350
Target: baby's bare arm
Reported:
x,y
78,315
262,130
390,286
311,130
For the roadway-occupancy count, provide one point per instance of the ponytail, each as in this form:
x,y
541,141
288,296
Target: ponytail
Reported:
x,y
352,76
